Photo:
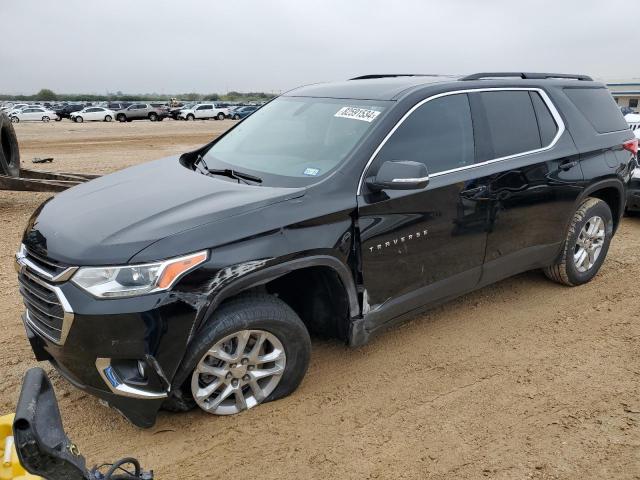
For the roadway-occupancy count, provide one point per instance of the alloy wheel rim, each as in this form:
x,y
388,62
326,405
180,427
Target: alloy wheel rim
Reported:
x,y
589,244
238,372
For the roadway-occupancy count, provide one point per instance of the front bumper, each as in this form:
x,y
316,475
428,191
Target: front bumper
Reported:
x,y
123,351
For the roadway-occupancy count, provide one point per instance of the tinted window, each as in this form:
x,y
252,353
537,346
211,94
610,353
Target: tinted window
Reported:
x,y
511,122
546,123
598,107
438,134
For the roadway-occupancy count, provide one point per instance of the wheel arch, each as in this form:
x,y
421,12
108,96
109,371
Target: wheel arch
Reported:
x,y
324,272
612,192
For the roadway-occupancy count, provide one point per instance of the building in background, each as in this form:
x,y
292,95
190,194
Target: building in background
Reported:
x,y
626,94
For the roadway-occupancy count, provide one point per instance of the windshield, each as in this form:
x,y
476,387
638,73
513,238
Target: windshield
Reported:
x,y
298,137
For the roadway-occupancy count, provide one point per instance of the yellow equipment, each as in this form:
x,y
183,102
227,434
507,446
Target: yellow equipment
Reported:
x,y
10,468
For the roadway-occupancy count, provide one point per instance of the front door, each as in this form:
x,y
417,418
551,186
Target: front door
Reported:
x,y
420,246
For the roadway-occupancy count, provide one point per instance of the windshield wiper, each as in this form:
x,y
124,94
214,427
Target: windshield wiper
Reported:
x,y
228,172
201,165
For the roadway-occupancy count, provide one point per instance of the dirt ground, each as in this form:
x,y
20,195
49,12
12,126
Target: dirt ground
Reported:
x,y
522,379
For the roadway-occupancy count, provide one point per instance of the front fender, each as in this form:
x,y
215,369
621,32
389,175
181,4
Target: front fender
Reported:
x,y
235,279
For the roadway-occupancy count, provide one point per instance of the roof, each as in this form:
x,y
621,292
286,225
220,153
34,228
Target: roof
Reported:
x,y
386,88
392,86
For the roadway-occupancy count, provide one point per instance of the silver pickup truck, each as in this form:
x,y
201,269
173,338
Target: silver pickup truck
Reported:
x,y
140,111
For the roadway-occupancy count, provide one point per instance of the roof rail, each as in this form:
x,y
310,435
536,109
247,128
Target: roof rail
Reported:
x,y
526,76
388,75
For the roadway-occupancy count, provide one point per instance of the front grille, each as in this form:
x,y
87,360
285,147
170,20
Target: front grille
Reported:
x,y
44,309
50,266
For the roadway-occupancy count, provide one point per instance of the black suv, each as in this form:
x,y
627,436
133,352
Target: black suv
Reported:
x,y
336,209
67,110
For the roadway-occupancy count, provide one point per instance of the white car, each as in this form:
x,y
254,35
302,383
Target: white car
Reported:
x,y
19,107
32,113
203,111
99,114
633,119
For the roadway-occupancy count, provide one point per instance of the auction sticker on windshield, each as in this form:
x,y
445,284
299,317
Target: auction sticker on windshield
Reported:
x,y
355,113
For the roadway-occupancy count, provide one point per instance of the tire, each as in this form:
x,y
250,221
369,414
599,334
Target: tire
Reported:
x,y
58,119
220,116
191,117
46,119
9,151
15,119
121,117
568,270
153,116
258,313
236,117
108,118
78,119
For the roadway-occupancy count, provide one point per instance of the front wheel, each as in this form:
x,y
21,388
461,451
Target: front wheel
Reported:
x,y
78,119
254,349
221,116
108,118
153,117
15,120
121,118
191,117
236,117
45,119
586,245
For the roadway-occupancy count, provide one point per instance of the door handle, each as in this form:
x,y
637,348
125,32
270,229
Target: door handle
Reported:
x,y
568,166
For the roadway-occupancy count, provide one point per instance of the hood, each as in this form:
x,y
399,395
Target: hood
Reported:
x,y
108,220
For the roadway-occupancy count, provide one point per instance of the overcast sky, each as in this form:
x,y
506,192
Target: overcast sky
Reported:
x,y
207,46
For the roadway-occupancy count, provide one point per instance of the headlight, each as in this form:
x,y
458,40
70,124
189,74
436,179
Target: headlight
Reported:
x,y
131,280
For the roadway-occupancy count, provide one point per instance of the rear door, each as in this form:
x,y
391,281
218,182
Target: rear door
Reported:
x,y
420,246
530,178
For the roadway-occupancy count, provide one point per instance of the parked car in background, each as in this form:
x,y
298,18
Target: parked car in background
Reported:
x,y
41,114
627,110
67,110
100,114
115,106
140,111
242,112
175,111
203,111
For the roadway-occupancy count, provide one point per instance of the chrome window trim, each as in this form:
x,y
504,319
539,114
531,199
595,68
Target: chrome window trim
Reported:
x,y
545,98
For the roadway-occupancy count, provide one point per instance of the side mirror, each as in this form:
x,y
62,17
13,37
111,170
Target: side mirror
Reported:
x,y
399,175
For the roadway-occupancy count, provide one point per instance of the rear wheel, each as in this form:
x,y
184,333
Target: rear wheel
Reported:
x,y
15,119
221,116
254,349
586,246
236,117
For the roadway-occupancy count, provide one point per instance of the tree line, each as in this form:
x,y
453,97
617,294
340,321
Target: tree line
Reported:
x,y
49,95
